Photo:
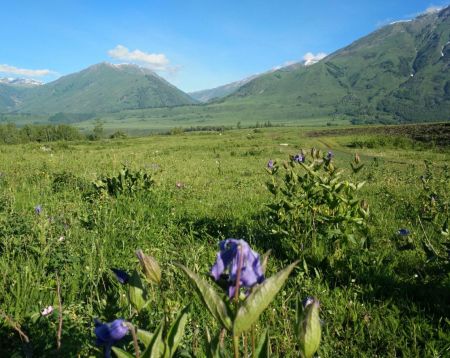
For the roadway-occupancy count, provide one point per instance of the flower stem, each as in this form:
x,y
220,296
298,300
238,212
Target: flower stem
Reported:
x,y
238,275
135,341
236,346
60,313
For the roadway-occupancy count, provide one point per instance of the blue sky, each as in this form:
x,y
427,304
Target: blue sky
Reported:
x,y
193,44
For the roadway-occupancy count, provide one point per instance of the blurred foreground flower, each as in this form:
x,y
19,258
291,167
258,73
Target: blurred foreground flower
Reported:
x,y
47,311
240,262
308,327
109,333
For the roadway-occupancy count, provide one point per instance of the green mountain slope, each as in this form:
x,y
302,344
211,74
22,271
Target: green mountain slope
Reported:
x,y
11,96
104,88
401,71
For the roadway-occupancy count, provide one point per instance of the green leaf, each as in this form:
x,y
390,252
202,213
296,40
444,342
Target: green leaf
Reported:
x,y
210,298
176,331
120,353
212,347
144,336
136,291
156,345
262,350
259,299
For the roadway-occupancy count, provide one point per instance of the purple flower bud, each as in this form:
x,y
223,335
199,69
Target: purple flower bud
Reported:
x,y
237,259
270,164
329,155
38,209
121,276
403,232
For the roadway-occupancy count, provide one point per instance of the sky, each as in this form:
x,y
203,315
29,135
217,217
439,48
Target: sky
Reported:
x,y
193,44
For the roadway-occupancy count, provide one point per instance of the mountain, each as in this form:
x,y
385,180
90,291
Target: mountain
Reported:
x,y
400,71
219,92
215,93
102,88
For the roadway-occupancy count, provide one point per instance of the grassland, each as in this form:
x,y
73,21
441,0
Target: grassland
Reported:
x,y
388,298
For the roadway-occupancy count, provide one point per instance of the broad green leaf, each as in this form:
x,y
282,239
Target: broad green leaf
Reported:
x,y
262,350
210,298
156,345
120,353
176,331
259,299
144,336
136,291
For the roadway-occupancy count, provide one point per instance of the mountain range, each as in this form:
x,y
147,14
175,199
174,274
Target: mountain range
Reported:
x,y
401,72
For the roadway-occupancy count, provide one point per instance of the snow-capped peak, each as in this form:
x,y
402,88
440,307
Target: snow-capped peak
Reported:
x,y
25,82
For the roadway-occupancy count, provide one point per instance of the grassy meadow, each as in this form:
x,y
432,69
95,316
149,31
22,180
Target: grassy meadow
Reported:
x,y
387,295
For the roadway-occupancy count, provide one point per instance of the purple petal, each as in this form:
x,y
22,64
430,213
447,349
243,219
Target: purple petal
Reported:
x,y
248,277
118,329
218,267
231,291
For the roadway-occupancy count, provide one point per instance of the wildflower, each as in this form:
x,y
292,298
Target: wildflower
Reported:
x,y
403,232
38,209
47,311
237,259
270,164
121,276
109,333
299,158
329,155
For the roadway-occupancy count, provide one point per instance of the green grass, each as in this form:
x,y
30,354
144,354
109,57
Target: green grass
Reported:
x,y
388,298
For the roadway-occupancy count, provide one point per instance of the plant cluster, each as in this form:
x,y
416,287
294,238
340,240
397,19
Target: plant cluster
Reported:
x,y
127,182
314,209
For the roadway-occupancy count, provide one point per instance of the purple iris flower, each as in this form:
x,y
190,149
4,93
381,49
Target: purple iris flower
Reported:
x,y
270,164
234,256
403,232
38,209
121,276
299,158
109,333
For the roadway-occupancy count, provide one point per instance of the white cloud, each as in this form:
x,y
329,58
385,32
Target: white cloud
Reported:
x,y
310,59
23,71
154,61
432,9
